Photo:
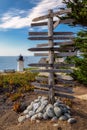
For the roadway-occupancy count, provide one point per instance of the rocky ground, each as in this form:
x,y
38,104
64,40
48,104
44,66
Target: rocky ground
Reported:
x,y
9,118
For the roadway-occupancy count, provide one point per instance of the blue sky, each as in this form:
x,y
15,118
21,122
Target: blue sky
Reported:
x,y
15,20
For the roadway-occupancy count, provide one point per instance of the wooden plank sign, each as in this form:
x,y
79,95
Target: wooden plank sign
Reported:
x,y
62,54
46,33
52,15
54,38
56,94
56,87
68,71
49,65
52,49
58,80
56,44
65,21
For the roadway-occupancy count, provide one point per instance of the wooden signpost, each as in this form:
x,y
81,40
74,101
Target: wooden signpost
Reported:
x,y
64,39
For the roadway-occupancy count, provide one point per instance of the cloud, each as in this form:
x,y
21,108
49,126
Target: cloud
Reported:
x,y
15,18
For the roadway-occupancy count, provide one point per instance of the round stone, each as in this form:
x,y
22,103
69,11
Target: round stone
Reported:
x,y
57,111
72,120
25,111
36,100
68,107
56,104
67,115
21,119
54,119
45,102
40,115
45,116
30,107
40,109
39,97
34,117
27,116
63,118
35,106
50,110
31,113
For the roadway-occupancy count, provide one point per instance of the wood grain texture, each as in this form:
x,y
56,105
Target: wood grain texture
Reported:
x,y
52,49
54,71
56,88
46,33
56,44
66,21
52,14
62,54
52,38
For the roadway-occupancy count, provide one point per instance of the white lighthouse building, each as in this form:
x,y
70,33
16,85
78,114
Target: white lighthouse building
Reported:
x,y
20,63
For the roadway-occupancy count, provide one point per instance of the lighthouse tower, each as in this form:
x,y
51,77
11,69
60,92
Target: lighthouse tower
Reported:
x,y
20,63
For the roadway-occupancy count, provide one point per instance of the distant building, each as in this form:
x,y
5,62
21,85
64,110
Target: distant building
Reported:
x,y
20,63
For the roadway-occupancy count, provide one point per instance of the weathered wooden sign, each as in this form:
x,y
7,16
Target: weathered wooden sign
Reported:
x,y
62,54
54,33
62,48
65,21
49,65
56,44
54,38
51,14
52,49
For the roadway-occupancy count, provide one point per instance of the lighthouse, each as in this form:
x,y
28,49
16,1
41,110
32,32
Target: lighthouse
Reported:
x,y
20,63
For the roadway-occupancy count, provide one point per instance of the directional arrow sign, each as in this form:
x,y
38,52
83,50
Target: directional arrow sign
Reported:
x,y
52,49
46,33
50,38
56,44
65,21
52,15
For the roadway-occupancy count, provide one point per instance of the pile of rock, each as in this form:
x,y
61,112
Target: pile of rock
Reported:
x,y
41,109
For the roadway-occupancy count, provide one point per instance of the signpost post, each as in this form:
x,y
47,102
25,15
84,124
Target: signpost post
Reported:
x,y
66,40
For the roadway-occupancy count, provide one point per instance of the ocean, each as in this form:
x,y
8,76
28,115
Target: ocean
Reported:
x,y
10,62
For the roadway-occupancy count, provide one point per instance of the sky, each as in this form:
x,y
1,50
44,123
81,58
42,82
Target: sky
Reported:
x,y
15,20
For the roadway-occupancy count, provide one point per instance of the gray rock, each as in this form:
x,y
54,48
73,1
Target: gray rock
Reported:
x,y
40,109
35,106
40,115
64,109
69,111
44,98
67,115
25,111
50,110
45,102
39,97
45,116
21,119
34,117
57,111
72,120
54,119
27,116
56,104
68,107
31,113
63,118
36,100
30,107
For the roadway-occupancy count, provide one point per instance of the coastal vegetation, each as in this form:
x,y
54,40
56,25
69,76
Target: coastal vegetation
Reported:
x,y
13,85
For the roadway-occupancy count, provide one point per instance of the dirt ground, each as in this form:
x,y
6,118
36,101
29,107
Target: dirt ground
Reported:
x,y
8,117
